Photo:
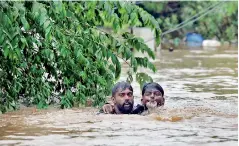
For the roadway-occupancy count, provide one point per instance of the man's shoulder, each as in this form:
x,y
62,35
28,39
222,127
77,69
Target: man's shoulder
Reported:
x,y
138,109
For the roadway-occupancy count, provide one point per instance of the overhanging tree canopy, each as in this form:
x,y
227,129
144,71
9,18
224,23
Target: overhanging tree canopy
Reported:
x,y
56,47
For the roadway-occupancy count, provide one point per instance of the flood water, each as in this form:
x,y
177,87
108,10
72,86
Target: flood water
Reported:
x,y
201,108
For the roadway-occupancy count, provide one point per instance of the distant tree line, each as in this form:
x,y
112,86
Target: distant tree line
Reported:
x,y
221,23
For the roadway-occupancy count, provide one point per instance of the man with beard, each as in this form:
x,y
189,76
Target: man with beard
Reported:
x,y
152,97
122,99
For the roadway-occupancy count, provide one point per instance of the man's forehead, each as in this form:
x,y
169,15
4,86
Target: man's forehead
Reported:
x,y
152,89
121,90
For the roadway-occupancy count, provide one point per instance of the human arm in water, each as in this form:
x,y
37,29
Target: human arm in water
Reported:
x,y
139,109
108,108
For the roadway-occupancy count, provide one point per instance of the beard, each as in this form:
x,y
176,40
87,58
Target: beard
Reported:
x,y
126,107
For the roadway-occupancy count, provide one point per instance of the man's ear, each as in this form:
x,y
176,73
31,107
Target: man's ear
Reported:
x,y
113,99
142,100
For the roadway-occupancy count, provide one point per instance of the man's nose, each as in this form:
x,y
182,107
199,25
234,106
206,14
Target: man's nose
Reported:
x,y
127,97
126,100
152,96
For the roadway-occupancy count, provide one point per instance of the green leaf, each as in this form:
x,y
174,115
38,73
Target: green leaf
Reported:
x,y
43,19
2,37
114,58
111,67
125,18
51,56
13,104
157,36
133,17
151,66
82,59
46,24
117,70
25,23
7,34
79,53
47,31
134,65
116,25
6,51
128,53
107,8
18,52
104,51
23,65
24,41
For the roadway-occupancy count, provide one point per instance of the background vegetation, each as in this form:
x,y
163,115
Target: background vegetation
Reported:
x,y
221,22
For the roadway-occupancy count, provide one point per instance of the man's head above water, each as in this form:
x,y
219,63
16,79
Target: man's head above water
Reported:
x,y
122,97
152,95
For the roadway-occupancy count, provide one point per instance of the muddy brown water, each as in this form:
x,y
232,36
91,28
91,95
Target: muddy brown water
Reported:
x,y
201,91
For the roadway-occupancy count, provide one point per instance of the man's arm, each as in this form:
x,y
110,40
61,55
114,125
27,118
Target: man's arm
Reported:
x,y
139,109
107,108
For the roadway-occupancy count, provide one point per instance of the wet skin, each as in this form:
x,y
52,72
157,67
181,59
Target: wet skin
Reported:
x,y
152,98
123,101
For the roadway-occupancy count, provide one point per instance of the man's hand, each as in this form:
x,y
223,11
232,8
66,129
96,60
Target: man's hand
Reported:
x,y
108,109
151,105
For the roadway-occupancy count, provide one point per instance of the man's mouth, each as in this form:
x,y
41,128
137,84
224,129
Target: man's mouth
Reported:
x,y
127,105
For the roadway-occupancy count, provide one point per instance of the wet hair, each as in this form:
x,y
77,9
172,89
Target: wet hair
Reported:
x,y
152,85
121,85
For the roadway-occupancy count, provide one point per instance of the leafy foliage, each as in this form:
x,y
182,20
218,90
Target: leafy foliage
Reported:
x,y
50,49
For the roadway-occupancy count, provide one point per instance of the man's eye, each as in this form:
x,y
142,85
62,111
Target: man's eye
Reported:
x,y
147,93
121,95
130,94
157,94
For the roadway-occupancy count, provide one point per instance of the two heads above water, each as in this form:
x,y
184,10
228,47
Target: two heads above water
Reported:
x,y
123,99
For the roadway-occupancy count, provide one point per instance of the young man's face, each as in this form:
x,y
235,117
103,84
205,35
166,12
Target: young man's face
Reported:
x,y
124,100
152,97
